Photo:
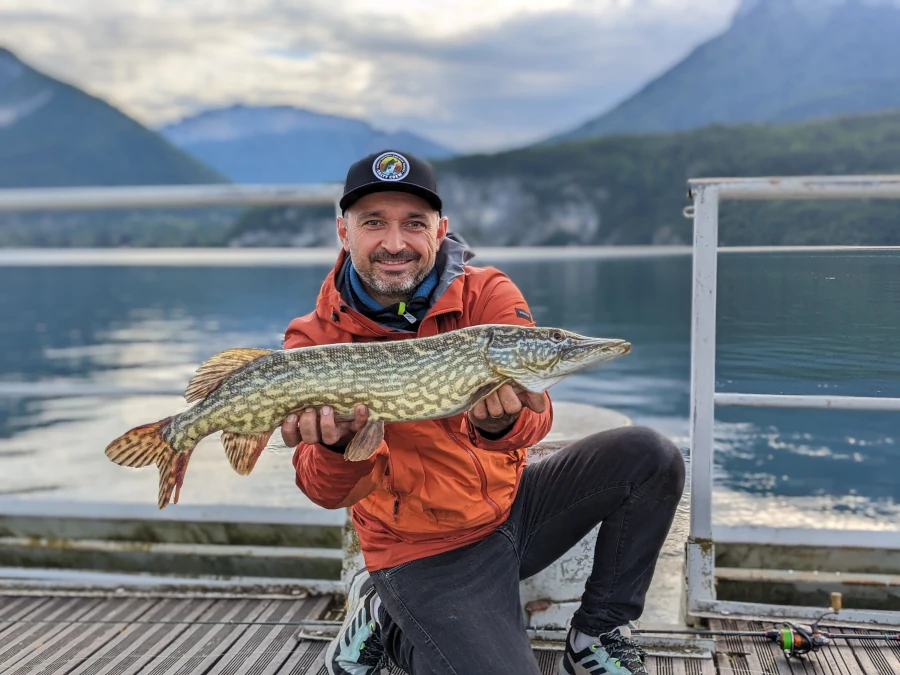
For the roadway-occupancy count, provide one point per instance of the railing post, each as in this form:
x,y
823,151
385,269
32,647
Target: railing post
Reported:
x,y
699,560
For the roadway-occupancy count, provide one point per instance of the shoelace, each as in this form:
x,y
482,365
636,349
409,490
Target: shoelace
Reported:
x,y
625,650
371,651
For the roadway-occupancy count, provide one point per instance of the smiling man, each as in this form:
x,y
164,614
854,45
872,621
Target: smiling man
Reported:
x,y
449,518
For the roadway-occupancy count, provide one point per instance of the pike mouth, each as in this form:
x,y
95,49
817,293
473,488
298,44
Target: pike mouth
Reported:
x,y
598,348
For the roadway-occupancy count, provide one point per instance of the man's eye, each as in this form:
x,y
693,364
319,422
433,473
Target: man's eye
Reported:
x,y
417,224
372,223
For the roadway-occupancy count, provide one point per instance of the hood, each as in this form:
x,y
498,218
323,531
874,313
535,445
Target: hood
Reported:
x,y
451,260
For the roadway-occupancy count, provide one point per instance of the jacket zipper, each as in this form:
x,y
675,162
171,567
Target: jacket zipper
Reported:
x,y
393,492
479,468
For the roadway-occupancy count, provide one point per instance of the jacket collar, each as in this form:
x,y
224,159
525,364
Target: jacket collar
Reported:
x,y
332,308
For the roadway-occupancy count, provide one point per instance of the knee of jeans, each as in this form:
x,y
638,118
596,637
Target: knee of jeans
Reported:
x,y
656,451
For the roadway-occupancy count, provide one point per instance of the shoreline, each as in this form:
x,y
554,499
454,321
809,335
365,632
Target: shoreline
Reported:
x,y
260,257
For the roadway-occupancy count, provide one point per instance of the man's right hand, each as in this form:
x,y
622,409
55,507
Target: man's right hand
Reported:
x,y
319,426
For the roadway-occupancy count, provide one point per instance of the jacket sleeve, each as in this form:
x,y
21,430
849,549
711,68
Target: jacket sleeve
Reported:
x,y
322,474
503,303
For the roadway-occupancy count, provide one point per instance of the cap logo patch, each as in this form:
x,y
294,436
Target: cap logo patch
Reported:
x,y
390,166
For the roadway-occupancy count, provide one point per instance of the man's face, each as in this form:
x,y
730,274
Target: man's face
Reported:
x,y
392,239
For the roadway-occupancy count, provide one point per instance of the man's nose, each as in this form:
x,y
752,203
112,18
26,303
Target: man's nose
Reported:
x,y
393,240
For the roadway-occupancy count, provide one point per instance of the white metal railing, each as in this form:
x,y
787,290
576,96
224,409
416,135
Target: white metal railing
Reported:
x,y
706,195
700,550
165,196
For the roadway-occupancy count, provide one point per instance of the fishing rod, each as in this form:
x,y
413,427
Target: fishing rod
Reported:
x,y
795,640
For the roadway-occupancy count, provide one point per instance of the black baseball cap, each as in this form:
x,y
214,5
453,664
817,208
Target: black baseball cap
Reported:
x,y
391,170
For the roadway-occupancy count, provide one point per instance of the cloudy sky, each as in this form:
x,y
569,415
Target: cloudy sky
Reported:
x,y
477,75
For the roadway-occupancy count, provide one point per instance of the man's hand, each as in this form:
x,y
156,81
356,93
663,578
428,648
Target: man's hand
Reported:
x,y
318,426
499,410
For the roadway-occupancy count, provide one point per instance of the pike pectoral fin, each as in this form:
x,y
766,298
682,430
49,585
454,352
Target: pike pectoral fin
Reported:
x,y
366,441
243,450
212,372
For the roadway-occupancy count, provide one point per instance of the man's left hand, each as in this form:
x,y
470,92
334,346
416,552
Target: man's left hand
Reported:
x,y
499,410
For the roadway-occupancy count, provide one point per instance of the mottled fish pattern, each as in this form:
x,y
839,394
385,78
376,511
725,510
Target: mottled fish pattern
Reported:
x,y
247,393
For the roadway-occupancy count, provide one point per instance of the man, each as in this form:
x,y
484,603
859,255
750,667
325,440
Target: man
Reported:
x,y
449,517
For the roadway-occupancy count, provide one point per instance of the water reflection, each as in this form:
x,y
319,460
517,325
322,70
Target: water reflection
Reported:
x,y
787,323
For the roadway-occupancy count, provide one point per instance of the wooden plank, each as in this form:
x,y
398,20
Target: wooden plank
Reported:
x,y
694,666
307,658
202,643
273,646
137,644
740,656
663,665
77,642
254,645
877,658
19,608
41,626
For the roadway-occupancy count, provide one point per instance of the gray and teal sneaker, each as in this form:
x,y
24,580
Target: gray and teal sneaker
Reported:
x,y
357,649
612,653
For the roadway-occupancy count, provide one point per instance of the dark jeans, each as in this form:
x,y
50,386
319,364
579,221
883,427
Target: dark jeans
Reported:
x,y
459,612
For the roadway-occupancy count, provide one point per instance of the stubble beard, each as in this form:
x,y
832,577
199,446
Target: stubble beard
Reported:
x,y
398,289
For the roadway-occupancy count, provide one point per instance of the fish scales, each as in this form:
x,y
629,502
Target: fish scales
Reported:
x,y
444,373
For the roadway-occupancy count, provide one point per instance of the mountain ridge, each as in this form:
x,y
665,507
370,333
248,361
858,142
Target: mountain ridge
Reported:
x,y
286,144
779,61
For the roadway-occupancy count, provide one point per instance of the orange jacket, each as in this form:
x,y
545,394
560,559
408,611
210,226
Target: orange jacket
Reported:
x,y
432,486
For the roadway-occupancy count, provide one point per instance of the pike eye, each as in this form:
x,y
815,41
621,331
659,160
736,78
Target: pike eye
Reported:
x,y
557,336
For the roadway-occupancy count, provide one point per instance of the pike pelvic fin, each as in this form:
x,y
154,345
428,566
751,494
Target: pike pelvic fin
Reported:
x,y
366,442
243,450
214,371
145,445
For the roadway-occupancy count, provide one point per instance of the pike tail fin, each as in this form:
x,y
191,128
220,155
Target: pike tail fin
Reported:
x,y
145,445
213,372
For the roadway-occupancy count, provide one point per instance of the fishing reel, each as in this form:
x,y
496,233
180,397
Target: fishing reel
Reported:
x,y
798,640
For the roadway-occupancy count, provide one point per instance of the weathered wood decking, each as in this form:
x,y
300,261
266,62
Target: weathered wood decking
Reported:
x,y
78,634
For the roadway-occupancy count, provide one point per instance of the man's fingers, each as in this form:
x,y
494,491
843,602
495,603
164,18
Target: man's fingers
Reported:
x,y
494,406
360,417
309,426
508,399
327,428
479,410
289,433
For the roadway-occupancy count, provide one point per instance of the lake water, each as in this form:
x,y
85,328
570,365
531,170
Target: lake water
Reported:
x,y
788,323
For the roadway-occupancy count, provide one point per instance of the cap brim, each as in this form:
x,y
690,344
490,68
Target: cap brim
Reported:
x,y
383,186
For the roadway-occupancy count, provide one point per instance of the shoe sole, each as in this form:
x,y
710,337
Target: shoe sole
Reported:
x,y
352,602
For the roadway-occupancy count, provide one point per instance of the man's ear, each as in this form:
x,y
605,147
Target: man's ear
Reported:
x,y
442,229
342,233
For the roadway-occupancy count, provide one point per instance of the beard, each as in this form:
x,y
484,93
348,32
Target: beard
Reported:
x,y
393,286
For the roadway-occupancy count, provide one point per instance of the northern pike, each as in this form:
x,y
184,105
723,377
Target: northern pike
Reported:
x,y
247,393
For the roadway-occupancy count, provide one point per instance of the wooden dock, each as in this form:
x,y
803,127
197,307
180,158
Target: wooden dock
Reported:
x,y
46,633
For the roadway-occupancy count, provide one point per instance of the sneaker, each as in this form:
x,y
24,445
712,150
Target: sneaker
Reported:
x,y
357,649
612,653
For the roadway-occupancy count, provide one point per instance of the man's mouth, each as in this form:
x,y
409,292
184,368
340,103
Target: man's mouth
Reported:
x,y
394,264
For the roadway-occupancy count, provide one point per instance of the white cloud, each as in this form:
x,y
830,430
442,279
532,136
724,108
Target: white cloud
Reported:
x,y
469,73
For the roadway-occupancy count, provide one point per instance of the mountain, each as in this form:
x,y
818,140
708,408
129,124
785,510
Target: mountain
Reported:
x,y
631,190
53,134
282,144
780,61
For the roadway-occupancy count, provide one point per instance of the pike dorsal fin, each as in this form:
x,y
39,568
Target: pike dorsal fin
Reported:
x,y
211,374
243,450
